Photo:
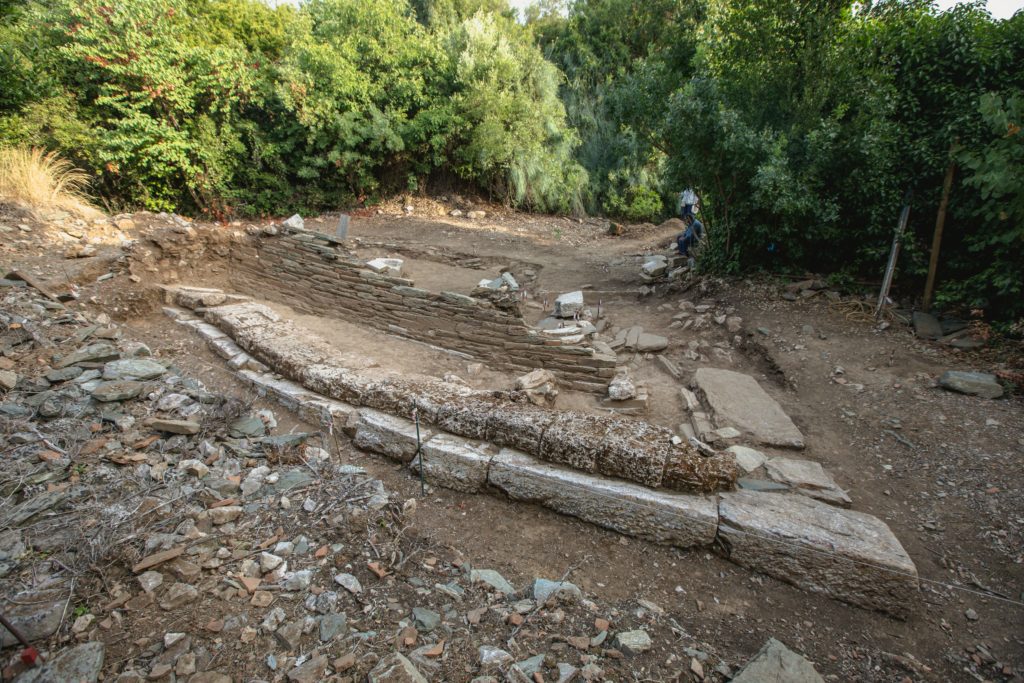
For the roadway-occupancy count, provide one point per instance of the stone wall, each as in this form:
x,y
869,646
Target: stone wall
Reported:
x,y
314,275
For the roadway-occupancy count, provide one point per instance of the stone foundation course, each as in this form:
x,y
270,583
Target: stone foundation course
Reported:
x,y
613,473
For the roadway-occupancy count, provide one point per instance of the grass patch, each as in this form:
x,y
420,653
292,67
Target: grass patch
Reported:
x,y
43,181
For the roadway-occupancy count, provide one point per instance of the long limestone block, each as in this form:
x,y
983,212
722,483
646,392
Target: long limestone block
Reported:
x,y
847,555
518,425
636,451
739,401
391,436
669,518
453,463
574,439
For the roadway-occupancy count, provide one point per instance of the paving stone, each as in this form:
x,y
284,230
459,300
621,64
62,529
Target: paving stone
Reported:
x,y
808,478
670,518
972,383
776,662
739,401
850,556
747,459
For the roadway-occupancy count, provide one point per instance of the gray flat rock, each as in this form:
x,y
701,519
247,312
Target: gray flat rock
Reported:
x,y
675,519
747,459
739,401
117,391
847,555
395,668
808,478
132,369
394,437
926,326
80,664
492,579
971,383
651,342
776,663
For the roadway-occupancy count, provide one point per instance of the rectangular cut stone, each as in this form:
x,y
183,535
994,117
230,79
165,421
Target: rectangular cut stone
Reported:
x,y
636,451
567,305
574,439
847,555
391,436
224,347
466,417
739,401
668,518
453,463
519,426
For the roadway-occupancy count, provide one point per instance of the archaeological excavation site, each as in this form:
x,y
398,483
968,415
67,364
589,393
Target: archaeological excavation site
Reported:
x,y
416,445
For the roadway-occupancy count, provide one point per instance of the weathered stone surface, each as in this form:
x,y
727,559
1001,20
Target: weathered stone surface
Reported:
x,y
668,518
562,591
633,642
94,353
117,391
80,664
132,369
395,668
8,379
850,556
312,671
386,266
453,463
37,615
972,383
651,342
808,478
173,426
387,435
465,416
636,451
926,326
295,222
738,400
517,426
747,459
777,663
574,439
492,579
569,304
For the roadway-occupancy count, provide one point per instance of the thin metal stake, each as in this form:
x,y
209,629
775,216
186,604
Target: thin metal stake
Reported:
x,y
419,453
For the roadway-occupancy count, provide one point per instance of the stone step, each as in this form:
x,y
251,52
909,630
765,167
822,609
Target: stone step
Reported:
x,y
737,400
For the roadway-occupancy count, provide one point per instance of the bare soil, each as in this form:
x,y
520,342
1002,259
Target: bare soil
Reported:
x,y
942,469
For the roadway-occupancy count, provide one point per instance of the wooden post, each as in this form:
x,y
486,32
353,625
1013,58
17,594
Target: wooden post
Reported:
x,y
940,223
894,253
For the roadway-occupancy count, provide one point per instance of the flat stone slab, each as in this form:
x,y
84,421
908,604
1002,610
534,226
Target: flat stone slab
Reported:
x,y
809,478
739,401
668,518
847,555
926,325
747,459
971,383
453,463
79,664
777,663
394,437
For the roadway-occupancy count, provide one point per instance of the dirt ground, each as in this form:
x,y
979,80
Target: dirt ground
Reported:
x,y
942,469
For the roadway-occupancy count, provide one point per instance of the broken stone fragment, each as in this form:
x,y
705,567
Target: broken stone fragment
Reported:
x,y
225,514
295,222
544,589
622,388
81,664
776,662
349,583
633,642
809,478
179,594
94,353
8,379
569,304
187,427
107,392
395,668
492,579
747,459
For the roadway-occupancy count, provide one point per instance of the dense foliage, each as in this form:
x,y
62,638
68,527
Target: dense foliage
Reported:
x,y
801,124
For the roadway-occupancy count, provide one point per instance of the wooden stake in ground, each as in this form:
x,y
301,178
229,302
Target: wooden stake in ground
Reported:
x,y
940,223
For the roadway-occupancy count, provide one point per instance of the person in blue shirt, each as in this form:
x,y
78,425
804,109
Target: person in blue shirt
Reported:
x,y
690,237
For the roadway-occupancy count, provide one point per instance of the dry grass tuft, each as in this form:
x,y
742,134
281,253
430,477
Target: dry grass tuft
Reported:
x,y
43,181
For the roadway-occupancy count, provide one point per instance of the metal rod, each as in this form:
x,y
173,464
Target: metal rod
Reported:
x,y
419,453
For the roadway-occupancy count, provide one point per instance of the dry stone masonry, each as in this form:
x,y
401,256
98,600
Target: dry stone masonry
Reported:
x,y
624,475
314,274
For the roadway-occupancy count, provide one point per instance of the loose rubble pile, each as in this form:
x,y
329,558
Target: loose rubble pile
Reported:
x,y
155,530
